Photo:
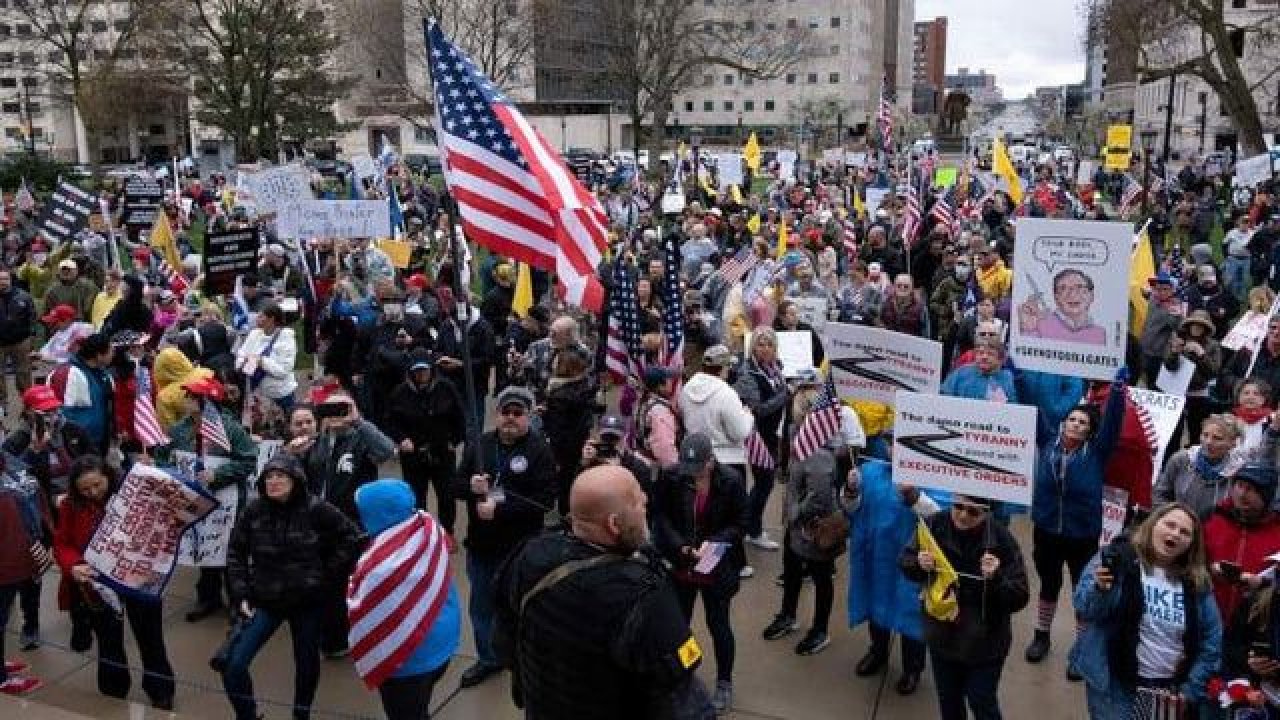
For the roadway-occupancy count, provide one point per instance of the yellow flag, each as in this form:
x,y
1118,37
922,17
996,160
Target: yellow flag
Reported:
x,y
751,153
162,240
940,592
1004,168
522,298
1142,267
754,224
858,206
398,251
735,194
782,238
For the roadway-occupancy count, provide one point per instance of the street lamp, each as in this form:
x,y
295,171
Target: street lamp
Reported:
x,y
1148,147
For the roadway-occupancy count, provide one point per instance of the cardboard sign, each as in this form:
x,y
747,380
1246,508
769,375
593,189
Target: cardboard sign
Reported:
x,y
869,363
66,213
205,543
1115,504
1159,413
334,219
812,310
972,447
1176,381
142,198
786,163
1084,172
1253,171
1070,309
136,544
228,255
271,189
795,351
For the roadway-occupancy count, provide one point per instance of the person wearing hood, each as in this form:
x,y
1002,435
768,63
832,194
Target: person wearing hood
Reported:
x,y
286,548
385,505
130,312
479,337
170,370
1194,343
1240,535
426,421
86,395
710,405
17,319
566,418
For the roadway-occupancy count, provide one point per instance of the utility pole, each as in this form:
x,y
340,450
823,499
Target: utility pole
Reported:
x,y
1168,119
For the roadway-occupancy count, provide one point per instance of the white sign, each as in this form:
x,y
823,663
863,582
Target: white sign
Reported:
x,y
205,543
795,351
1070,296
875,197
786,163
832,156
273,188
971,447
855,159
363,166
1247,332
1253,171
334,219
1084,172
1176,381
1161,412
729,169
812,310
1115,504
869,363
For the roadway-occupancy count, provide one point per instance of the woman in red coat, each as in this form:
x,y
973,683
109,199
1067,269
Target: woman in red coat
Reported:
x,y
89,488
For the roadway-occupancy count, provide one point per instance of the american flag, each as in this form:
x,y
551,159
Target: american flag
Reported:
x,y
928,164
24,200
849,235
737,267
758,453
885,116
911,218
673,313
819,425
211,429
395,596
146,426
514,193
1132,191
622,345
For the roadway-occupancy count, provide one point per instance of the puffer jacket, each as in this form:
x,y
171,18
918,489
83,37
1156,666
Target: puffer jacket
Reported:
x,y
676,523
710,405
283,553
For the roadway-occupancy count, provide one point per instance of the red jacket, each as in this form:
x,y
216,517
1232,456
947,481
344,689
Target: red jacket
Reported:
x,y
77,521
1248,546
16,565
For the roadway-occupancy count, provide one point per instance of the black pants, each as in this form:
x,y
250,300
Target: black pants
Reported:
x,y
146,620
715,604
29,599
333,620
959,683
209,587
794,570
913,651
421,474
1050,551
409,697
761,486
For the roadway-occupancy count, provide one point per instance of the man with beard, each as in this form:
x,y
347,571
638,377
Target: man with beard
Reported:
x,y
590,626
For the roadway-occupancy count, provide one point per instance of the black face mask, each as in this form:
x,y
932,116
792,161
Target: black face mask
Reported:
x,y
1209,286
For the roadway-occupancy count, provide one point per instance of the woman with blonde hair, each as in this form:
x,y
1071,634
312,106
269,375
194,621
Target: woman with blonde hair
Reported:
x,y
1153,635
1200,475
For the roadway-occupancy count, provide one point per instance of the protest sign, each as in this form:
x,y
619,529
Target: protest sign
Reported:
x,y
66,213
1177,380
1253,171
869,363
855,159
972,447
1115,503
729,169
832,156
1119,138
228,255
205,543
945,177
812,310
1070,310
786,163
1247,332
1084,172
142,198
136,543
795,351
274,188
334,219
875,196
1159,413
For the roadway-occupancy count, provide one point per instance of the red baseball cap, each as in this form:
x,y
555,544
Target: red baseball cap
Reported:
x,y
59,314
205,387
41,398
417,280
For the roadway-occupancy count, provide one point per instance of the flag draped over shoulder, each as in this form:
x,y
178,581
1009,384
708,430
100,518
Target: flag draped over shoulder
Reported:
x,y
940,593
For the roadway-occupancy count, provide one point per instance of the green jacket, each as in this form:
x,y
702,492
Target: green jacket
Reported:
x,y
78,295
243,458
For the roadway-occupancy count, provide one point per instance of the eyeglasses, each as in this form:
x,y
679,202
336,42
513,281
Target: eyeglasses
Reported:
x,y
971,509
513,411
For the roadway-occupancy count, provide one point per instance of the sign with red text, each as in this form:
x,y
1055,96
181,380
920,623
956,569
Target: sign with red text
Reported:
x,y
136,544
971,447
1115,505
869,363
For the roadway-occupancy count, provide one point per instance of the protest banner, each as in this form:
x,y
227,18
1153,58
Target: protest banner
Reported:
x,y
1115,504
1070,312
228,255
1159,413
334,219
869,363
855,159
205,543
795,351
66,213
273,188
729,170
1177,380
972,447
136,543
142,198
875,196
812,310
786,164
1253,171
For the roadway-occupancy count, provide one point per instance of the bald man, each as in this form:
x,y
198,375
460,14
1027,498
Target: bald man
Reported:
x,y
590,627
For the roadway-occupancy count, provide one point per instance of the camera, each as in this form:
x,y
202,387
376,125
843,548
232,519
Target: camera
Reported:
x,y
605,449
332,410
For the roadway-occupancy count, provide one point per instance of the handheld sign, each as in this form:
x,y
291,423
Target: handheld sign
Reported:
x,y
228,255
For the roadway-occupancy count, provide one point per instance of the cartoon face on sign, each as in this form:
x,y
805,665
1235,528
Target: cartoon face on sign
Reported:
x,y
1069,319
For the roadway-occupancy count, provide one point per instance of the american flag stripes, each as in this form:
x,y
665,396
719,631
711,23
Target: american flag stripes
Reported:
x,y
622,344
942,212
911,217
395,595
737,267
673,310
849,237
884,116
758,453
146,426
211,428
1132,191
24,200
820,424
514,193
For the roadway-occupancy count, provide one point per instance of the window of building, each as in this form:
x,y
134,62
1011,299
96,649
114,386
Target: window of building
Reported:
x,y
22,30
8,82
814,22
423,134
768,106
688,106
27,58
11,108
749,105
748,80
834,78
791,78
792,24
1237,42
749,25
1239,4
708,106
33,108
813,78
5,31
835,49
31,82
771,26
13,133
708,80
37,132
156,129
98,26
728,106
728,79
835,22
6,58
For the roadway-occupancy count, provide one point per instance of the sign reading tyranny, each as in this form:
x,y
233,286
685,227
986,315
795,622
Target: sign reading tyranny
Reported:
x,y
334,219
874,364
66,213
226,255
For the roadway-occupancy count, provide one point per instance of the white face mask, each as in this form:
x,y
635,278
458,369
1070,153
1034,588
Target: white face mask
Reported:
x,y
39,258
962,272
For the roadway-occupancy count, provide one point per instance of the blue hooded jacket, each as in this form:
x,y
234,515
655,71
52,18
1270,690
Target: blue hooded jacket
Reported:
x,y
384,504
878,530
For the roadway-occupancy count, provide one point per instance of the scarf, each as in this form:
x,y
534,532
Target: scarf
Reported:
x,y
1208,471
1251,415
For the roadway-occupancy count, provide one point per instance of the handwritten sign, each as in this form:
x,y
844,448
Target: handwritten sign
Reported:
x,y
812,310
276,187
1115,502
873,364
334,219
205,544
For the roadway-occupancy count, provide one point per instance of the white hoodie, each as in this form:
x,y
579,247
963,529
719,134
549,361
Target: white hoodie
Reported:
x,y
710,405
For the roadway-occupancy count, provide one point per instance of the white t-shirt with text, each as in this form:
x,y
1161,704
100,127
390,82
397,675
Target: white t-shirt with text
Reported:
x,y
1164,618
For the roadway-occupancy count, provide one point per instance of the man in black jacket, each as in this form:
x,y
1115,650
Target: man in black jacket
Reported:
x,y
510,478
17,317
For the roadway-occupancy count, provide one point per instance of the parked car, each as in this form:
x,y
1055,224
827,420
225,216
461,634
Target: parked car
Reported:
x,y
424,163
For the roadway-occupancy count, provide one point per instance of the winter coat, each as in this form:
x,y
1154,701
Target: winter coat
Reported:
x,y
566,420
283,555
1158,330
1053,395
78,519
337,464
275,366
17,316
430,415
526,470
970,382
709,405
766,396
981,633
909,318
946,296
168,373
676,526
811,496
79,295
1228,538
242,459
1207,365
86,401
1179,480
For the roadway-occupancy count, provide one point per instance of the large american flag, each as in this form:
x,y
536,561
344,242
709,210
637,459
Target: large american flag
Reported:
x,y
819,425
211,428
849,235
146,426
945,215
514,193
885,116
673,312
622,344
395,595
737,267
911,217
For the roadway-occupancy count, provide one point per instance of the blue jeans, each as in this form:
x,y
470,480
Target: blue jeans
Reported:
x,y
975,684
480,572
304,627
1237,278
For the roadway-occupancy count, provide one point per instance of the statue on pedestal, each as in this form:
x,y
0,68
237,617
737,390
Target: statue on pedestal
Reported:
x,y
955,109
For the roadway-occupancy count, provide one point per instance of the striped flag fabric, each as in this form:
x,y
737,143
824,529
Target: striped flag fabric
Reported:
x,y
849,237
24,200
819,425
622,334
211,428
737,267
673,310
942,212
514,193
395,595
884,116
758,453
911,217
1132,191
146,425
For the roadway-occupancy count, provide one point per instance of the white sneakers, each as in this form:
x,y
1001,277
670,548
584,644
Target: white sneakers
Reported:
x,y
763,541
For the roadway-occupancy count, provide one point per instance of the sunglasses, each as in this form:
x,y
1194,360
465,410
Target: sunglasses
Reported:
x,y
513,411
970,509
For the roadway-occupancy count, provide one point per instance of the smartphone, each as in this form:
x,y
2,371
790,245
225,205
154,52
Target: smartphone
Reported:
x,y
1229,570
332,410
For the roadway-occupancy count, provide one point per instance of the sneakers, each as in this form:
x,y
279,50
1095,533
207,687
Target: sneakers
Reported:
x,y
20,685
723,697
763,541
780,627
30,640
1039,647
746,571
13,667
814,642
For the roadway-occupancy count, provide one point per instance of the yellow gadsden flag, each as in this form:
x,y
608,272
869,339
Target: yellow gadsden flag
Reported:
x,y
522,297
162,239
782,238
751,153
1142,267
940,592
859,207
1004,168
753,224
